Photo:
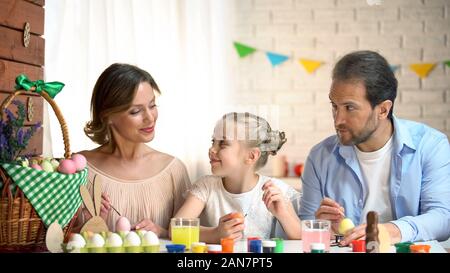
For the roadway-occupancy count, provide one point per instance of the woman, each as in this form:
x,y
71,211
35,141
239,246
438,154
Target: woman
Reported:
x,y
141,183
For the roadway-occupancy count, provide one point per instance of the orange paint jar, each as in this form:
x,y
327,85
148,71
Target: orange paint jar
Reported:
x,y
420,248
227,245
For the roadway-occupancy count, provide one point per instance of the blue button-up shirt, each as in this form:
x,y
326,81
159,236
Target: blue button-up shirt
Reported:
x,y
419,181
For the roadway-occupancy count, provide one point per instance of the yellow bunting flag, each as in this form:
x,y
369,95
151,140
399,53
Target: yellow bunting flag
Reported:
x,y
310,65
422,69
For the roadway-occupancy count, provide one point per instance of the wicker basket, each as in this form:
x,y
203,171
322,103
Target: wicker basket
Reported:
x,y
21,228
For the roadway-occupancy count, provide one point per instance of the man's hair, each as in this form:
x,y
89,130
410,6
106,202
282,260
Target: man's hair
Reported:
x,y
373,71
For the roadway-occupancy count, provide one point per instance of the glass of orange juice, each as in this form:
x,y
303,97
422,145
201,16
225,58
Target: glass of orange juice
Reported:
x,y
185,231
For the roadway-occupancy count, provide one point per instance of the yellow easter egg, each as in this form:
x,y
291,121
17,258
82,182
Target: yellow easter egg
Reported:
x,y
345,225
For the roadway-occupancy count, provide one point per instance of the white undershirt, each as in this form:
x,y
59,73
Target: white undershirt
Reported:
x,y
376,170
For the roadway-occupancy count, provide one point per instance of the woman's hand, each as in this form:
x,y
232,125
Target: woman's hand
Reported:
x,y
230,227
149,225
274,199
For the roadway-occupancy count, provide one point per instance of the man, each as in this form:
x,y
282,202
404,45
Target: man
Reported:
x,y
377,162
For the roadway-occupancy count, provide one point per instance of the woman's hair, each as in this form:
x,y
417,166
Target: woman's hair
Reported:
x,y
113,93
256,132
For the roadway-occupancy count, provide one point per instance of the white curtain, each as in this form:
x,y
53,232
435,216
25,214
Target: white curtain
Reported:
x,y
184,45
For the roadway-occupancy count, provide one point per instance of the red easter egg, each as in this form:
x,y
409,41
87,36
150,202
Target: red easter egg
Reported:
x,y
298,169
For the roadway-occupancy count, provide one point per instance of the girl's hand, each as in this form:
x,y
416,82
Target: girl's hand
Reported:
x,y
274,199
230,227
105,207
148,225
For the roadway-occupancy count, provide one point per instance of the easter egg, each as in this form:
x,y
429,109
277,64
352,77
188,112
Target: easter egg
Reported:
x,y
114,240
384,238
345,225
67,166
55,164
132,239
80,161
47,166
25,163
123,224
97,241
150,239
76,241
298,169
237,215
36,166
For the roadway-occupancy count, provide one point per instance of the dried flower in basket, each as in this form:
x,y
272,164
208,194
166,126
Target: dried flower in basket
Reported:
x,y
14,137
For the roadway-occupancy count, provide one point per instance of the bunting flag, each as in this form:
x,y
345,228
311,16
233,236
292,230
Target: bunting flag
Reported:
x,y
422,69
394,68
310,65
243,50
276,59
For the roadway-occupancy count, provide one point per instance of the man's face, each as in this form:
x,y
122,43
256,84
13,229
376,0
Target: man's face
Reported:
x,y
354,119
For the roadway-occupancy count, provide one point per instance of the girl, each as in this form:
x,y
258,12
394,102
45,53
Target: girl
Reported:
x,y
241,145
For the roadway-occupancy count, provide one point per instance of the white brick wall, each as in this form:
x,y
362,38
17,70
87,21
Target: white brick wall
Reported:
x,y
404,31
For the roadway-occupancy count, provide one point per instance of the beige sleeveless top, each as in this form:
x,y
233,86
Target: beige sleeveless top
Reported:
x,y
156,198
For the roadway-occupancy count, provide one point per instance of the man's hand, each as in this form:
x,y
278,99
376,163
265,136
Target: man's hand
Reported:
x,y
332,211
359,233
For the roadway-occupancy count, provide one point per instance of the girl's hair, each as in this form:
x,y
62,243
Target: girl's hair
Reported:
x,y
255,133
113,93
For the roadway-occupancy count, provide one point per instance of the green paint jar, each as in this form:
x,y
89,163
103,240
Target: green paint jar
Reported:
x,y
403,247
279,247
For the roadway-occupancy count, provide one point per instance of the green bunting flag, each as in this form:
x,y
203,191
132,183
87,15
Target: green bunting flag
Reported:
x,y
243,50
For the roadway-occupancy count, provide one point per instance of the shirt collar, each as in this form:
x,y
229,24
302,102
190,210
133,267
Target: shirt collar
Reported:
x,y
402,137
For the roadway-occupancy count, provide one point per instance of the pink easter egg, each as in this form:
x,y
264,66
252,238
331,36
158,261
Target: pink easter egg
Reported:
x,y
123,224
80,161
36,166
67,166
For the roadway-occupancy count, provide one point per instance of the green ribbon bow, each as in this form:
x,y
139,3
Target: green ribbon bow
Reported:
x,y
51,88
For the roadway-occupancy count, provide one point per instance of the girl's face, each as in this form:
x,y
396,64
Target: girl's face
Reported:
x,y
137,123
229,153
226,156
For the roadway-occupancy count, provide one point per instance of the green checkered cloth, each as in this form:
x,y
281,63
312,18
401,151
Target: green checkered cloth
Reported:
x,y
54,196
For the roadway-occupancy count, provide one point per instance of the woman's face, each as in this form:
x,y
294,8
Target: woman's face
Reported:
x,y
137,123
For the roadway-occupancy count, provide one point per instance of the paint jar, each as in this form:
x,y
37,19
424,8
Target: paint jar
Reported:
x,y
403,247
359,246
214,248
269,246
227,245
249,239
175,248
317,248
255,246
185,231
279,248
419,248
199,247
